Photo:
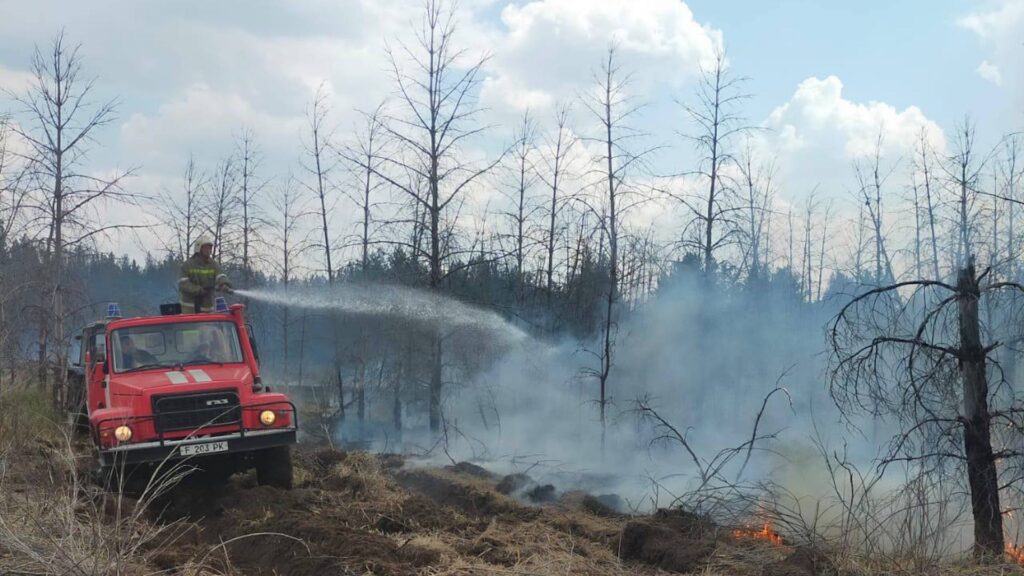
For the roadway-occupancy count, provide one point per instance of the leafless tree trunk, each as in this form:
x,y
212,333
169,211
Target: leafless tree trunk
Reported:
x,y
369,149
718,120
223,208
870,179
924,166
438,110
921,361
981,462
185,214
524,176
822,249
249,189
1012,171
916,189
60,123
807,272
366,157
612,107
963,169
291,215
757,181
557,166
319,165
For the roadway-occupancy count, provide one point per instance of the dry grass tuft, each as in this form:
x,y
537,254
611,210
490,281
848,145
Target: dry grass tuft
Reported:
x,y
54,519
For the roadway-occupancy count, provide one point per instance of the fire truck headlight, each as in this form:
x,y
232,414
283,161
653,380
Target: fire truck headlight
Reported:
x,y
267,417
123,433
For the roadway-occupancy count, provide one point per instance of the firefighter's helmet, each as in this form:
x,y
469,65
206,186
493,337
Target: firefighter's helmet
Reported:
x,y
200,242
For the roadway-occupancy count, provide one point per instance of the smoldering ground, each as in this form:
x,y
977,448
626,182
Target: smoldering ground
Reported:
x,y
690,364
700,362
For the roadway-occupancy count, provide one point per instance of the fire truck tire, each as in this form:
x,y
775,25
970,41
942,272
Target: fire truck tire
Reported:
x,y
274,467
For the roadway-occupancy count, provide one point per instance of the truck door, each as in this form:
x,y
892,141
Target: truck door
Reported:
x,y
96,349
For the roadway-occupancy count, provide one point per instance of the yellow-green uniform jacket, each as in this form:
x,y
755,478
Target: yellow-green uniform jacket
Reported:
x,y
200,276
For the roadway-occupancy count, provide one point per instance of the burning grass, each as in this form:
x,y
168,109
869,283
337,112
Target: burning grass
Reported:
x,y
1015,553
764,534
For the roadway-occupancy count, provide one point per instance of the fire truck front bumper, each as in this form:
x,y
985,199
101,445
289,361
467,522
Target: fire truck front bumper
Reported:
x,y
189,448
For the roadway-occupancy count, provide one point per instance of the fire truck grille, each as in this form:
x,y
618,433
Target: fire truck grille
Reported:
x,y
194,411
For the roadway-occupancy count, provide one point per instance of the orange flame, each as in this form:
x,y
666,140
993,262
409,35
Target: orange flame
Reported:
x,y
766,533
1015,553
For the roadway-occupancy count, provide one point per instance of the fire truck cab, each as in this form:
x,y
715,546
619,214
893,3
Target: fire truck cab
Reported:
x,y
171,388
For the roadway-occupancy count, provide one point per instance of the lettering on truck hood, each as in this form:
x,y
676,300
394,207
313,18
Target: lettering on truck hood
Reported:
x,y
189,377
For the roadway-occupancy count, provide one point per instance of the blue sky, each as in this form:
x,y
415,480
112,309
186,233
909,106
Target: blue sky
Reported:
x,y
826,76
904,53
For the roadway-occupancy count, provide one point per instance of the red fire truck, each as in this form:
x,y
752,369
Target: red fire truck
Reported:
x,y
163,389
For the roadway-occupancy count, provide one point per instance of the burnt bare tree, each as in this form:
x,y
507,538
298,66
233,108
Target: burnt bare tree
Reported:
x,y
366,157
290,213
435,117
185,210
59,126
222,209
917,353
250,186
719,94
521,178
964,169
871,176
617,162
757,181
923,165
1012,171
558,167
320,164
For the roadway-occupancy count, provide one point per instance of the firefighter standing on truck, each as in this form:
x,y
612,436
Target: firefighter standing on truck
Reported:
x,y
200,277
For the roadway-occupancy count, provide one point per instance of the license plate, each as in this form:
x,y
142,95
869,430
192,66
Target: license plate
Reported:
x,y
200,449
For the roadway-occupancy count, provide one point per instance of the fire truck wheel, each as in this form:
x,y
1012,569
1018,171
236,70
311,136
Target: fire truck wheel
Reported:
x,y
274,467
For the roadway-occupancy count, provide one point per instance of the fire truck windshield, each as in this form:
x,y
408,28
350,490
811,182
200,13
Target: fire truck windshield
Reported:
x,y
176,344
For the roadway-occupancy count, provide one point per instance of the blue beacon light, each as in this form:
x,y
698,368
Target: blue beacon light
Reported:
x,y
220,304
113,310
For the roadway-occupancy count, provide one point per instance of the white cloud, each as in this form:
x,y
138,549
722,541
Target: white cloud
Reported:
x,y
990,72
16,81
1001,19
1000,27
204,121
819,120
551,47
